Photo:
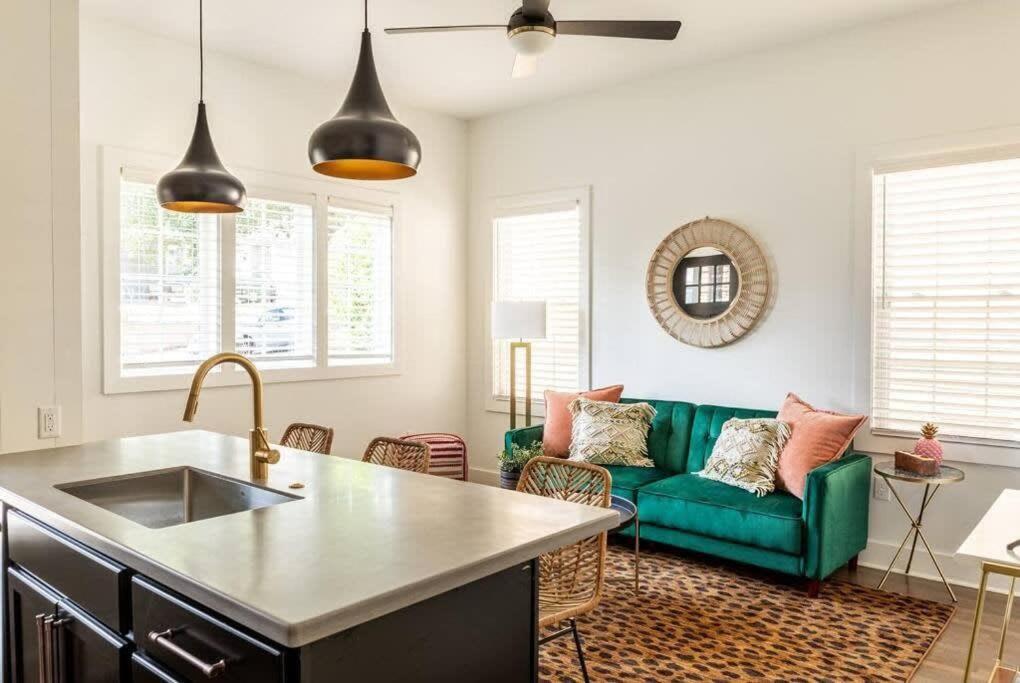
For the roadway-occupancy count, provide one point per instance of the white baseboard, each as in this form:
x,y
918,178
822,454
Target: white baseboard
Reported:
x,y
481,475
959,571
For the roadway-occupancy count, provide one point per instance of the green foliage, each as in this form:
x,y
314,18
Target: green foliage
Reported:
x,y
517,457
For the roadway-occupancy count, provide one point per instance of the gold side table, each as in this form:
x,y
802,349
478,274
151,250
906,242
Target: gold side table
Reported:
x,y
932,484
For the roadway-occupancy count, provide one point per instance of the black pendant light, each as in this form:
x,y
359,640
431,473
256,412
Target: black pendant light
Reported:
x,y
364,141
200,183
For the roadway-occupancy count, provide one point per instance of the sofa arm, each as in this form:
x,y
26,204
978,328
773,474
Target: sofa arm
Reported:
x,y
523,437
836,514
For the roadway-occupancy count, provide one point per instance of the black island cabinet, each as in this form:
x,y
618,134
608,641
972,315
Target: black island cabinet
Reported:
x,y
73,615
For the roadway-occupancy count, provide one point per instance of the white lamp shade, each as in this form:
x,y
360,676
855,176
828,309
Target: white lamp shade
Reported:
x,y
518,320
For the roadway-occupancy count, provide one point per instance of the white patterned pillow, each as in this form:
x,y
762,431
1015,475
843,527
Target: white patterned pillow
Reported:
x,y
746,454
604,433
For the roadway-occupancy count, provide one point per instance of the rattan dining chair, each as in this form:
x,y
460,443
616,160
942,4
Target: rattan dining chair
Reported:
x,y
569,579
399,453
308,437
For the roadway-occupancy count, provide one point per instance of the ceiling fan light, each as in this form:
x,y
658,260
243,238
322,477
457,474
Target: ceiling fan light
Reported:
x,y
531,41
364,141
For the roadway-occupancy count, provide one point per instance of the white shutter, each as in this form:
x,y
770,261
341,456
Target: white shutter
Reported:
x,y
946,324
360,284
169,284
275,282
537,257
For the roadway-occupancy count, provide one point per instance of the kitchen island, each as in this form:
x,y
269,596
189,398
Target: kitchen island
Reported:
x,y
350,571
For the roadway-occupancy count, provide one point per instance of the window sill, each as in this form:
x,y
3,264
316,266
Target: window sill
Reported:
x,y
495,404
231,376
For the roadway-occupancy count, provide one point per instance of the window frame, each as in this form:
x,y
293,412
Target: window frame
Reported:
x,y
261,184
947,150
501,206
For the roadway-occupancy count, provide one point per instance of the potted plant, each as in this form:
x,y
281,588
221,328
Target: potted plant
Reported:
x,y
512,462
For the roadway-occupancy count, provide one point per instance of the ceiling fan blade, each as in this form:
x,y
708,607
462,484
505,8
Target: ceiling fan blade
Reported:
x,y
648,30
525,66
437,29
536,9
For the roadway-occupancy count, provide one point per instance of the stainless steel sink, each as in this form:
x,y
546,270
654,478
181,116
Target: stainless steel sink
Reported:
x,y
176,496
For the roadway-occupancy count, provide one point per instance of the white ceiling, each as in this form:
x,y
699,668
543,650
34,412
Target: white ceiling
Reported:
x,y
468,74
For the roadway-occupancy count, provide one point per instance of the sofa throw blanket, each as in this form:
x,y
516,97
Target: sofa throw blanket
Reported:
x,y
604,433
746,454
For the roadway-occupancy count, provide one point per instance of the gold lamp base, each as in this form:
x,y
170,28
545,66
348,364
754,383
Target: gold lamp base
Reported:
x,y
514,346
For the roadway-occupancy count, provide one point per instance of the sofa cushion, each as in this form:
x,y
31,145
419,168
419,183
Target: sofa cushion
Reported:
x,y
627,480
690,503
708,424
670,436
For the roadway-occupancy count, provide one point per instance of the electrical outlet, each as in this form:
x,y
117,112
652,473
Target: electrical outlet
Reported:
x,y
881,489
49,422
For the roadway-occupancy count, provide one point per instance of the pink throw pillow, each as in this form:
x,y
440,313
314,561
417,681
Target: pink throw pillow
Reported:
x,y
816,437
558,422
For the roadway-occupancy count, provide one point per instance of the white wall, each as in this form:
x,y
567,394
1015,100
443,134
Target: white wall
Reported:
x,y
768,141
40,311
139,92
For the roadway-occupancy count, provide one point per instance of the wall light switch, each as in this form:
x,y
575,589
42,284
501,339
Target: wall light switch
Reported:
x,y
49,422
881,489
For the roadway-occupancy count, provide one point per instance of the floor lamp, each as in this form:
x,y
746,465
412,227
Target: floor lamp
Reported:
x,y
519,320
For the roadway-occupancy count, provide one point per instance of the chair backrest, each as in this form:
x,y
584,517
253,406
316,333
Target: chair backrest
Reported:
x,y
448,456
573,575
308,437
413,456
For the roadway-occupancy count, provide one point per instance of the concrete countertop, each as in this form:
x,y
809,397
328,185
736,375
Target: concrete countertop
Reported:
x,y
364,541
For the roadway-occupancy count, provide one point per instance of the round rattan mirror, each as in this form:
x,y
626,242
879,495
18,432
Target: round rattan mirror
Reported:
x,y
708,283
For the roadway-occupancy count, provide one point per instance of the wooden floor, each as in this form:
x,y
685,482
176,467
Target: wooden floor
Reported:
x,y
947,658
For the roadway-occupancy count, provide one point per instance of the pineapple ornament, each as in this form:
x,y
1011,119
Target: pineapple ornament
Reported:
x,y
928,445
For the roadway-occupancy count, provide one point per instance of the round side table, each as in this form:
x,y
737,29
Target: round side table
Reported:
x,y
932,483
629,515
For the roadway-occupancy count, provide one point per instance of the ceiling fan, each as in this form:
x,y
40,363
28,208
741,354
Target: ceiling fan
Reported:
x,y
532,29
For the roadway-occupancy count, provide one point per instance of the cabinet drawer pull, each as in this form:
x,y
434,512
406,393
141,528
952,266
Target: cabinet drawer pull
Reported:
x,y
164,639
59,646
40,646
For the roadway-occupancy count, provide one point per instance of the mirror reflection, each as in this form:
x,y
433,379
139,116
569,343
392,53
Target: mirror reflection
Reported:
x,y
705,283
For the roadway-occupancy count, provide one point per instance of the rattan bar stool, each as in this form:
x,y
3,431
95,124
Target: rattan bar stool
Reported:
x,y
308,437
569,579
399,453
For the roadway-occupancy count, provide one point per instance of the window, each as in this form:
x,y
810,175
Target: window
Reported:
x,y
540,253
360,267
274,301
301,281
946,308
169,284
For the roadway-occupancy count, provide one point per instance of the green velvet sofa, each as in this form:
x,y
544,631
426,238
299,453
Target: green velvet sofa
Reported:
x,y
810,538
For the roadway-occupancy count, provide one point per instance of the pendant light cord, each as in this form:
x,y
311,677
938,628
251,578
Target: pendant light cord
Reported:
x,y
366,15
201,54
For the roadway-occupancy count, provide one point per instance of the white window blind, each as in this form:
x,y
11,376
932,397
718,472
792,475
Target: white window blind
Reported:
x,y
360,284
169,284
275,282
537,257
946,323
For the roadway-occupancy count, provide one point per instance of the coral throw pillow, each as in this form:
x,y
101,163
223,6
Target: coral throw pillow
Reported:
x,y
558,422
816,437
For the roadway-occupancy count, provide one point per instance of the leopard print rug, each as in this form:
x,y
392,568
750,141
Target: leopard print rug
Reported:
x,y
698,619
